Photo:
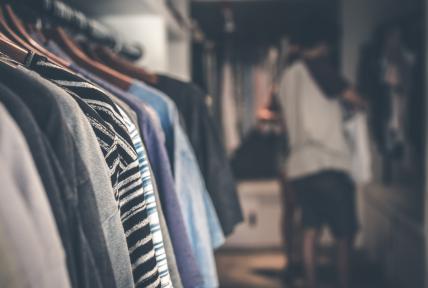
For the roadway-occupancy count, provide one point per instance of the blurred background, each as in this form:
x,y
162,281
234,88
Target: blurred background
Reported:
x,y
237,51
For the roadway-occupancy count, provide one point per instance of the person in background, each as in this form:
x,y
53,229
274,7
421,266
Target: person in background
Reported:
x,y
272,113
312,94
386,77
293,54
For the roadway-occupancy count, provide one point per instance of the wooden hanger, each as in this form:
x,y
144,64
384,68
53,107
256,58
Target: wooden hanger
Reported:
x,y
21,31
12,50
9,47
10,34
38,32
12,41
127,67
74,51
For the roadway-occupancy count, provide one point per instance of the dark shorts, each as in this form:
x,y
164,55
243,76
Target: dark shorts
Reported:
x,y
327,198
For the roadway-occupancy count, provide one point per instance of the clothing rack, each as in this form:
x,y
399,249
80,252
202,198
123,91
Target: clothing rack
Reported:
x,y
69,17
191,26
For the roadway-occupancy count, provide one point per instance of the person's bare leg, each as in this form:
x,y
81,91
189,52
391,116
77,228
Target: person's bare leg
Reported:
x,y
310,238
288,222
343,261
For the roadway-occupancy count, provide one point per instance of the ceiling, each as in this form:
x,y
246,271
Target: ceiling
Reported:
x,y
258,20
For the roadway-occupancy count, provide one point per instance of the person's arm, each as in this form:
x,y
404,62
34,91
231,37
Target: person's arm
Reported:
x,y
353,97
328,78
332,83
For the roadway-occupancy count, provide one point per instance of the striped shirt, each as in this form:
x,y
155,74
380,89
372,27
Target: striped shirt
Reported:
x,y
149,196
122,160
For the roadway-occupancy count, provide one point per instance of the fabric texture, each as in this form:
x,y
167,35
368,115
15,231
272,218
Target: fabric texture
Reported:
x,y
150,200
99,175
122,160
158,156
169,249
46,164
93,159
209,149
88,257
172,264
161,163
201,220
27,225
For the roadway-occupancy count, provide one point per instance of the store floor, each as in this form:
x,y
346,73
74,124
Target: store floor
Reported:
x,y
263,269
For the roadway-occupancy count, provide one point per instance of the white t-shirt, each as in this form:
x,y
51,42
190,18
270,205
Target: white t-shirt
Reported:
x,y
314,125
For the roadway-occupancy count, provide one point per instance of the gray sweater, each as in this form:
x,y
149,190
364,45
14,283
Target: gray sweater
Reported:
x,y
91,154
31,251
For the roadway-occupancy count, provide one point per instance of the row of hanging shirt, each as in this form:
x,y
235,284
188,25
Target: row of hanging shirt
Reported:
x,y
113,176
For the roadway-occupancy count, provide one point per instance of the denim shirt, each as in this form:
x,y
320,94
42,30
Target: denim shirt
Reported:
x,y
202,223
209,149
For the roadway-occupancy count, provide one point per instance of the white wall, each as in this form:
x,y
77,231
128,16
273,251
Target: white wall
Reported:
x,y
180,47
179,60
149,22
148,30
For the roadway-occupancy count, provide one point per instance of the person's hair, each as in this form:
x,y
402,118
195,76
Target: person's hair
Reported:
x,y
315,30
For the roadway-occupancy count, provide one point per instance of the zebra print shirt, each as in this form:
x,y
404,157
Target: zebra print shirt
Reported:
x,y
151,201
122,160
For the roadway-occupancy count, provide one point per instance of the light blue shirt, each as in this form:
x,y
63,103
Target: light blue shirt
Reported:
x,y
202,224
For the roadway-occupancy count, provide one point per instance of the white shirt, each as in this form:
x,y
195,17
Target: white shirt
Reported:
x,y
314,125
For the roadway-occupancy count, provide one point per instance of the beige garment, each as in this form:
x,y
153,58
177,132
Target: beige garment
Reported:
x,y
228,109
314,124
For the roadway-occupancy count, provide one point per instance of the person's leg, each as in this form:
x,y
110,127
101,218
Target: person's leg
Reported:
x,y
310,238
341,218
343,261
289,203
307,192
